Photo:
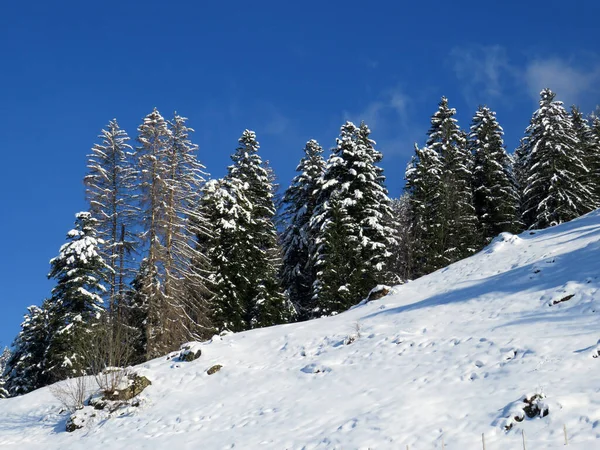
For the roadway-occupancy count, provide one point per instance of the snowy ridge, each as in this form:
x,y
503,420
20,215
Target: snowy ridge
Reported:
x,y
446,357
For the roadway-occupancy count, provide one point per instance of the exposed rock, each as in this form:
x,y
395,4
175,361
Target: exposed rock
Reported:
x,y
72,426
378,292
136,384
190,351
535,406
564,299
528,407
79,419
214,369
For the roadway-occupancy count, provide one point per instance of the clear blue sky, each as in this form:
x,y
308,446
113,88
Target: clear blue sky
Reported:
x,y
289,70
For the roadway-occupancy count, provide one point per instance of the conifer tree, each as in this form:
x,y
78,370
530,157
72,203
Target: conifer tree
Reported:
x,y
352,203
76,303
109,191
496,198
299,199
150,156
589,147
169,183
4,357
228,211
457,214
26,368
338,266
243,250
425,191
184,287
403,250
553,167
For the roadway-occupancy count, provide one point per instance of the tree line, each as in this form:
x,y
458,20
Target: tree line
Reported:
x,y
164,256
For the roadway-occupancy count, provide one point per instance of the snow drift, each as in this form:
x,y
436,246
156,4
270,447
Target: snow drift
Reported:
x,y
465,351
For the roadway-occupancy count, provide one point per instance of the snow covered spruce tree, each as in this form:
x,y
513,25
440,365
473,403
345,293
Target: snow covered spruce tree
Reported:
x,y
439,182
243,249
589,147
350,223
110,193
457,213
425,196
26,368
553,167
76,304
4,357
299,202
169,183
401,262
496,196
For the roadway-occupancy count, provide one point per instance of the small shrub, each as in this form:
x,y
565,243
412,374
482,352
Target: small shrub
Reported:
x,y
72,392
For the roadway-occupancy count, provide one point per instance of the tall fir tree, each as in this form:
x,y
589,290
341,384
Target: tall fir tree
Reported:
x,y
404,248
298,273
553,167
352,205
457,213
4,357
26,368
496,196
425,196
243,249
110,193
76,304
589,147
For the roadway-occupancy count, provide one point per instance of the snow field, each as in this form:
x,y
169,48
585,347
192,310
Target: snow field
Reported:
x,y
449,356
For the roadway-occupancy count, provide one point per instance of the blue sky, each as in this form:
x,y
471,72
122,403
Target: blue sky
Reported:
x,y
289,70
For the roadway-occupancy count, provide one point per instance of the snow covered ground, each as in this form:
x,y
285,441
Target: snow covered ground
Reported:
x,y
445,358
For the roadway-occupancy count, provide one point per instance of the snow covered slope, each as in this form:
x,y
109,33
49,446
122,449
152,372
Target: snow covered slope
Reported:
x,y
444,358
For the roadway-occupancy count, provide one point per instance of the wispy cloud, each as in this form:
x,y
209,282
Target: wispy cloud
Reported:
x,y
572,82
482,70
276,123
487,73
388,116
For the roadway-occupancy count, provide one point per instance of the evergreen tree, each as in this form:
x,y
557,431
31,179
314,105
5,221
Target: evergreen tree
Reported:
x,y
425,191
403,251
243,250
352,203
76,303
338,266
589,147
228,211
4,357
26,368
109,191
457,214
135,315
553,167
298,272
496,197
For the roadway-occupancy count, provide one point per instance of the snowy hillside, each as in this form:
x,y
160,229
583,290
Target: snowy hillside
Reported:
x,y
443,359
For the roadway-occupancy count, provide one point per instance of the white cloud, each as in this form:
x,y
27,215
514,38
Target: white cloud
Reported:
x,y
389,118
486,72
572,83
393,102
483,69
